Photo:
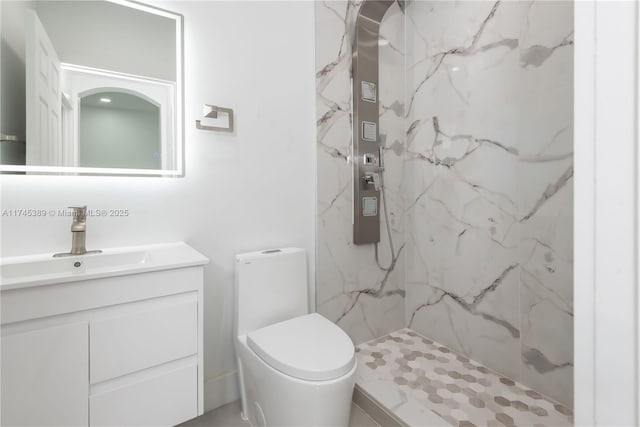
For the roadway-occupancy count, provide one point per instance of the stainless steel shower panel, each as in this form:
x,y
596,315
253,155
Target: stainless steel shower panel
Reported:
x,y
366,150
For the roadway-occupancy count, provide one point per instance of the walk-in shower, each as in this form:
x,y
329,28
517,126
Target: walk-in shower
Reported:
x,y
470,313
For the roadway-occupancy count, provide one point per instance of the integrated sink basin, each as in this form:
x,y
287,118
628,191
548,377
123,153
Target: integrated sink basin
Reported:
x,y
43,269
74,265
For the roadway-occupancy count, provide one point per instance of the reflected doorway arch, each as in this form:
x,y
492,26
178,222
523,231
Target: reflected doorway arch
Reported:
x,y
119,128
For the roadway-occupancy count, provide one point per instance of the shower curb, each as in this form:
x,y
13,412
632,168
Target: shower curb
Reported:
x,y
375,410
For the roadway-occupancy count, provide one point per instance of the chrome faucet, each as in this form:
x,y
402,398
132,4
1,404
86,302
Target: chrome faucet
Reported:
x,y
78,233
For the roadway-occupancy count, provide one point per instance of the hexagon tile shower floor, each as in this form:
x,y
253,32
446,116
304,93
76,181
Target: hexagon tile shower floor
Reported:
x,y
407,373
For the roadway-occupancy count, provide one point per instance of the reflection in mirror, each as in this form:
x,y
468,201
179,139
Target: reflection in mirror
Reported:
x,y
90,87
119,130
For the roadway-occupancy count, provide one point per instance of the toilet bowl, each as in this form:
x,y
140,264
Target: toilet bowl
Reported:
x,y
296,368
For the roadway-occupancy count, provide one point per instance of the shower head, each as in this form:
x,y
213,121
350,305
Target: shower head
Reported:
x,y
374,10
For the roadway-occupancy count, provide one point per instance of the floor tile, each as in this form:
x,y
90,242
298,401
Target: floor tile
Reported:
x,y
415,377
229,416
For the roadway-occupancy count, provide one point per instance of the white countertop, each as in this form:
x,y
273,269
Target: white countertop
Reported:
x,y
43,269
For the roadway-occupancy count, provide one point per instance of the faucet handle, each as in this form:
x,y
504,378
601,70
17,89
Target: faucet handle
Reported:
x,y
79,212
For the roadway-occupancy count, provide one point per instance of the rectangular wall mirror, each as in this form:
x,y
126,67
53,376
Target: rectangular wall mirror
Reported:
x,y
90,87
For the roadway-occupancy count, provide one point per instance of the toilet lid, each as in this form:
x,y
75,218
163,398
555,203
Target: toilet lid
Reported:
x,y
308,347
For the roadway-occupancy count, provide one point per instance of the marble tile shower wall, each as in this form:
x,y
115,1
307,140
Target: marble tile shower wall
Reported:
x,y
364,297
477,111
488,194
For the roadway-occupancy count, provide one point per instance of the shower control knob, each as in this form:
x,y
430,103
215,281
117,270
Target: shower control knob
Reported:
x,y
373,178
370,159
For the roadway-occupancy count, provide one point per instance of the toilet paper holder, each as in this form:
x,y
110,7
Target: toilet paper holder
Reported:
x,y
212,111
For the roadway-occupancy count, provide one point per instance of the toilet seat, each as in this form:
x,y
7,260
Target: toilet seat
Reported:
x,y
308,347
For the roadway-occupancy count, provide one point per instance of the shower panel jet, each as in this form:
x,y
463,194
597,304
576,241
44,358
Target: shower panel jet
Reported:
x,y
367,146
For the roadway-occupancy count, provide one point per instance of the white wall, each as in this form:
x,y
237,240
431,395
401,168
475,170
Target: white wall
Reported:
x,y
250,190
606,215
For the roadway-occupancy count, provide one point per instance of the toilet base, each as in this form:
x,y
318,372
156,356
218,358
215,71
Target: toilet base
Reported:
x,y
273,399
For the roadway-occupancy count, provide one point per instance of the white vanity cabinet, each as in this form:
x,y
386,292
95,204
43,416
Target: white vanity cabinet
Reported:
x,y
45,376
122,350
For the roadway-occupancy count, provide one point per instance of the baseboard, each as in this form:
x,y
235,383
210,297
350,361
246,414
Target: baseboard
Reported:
x,y
221,390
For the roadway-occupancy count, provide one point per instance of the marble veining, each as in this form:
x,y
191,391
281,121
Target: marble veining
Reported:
x,y
476,118
361,288
470,303
488,196
467,49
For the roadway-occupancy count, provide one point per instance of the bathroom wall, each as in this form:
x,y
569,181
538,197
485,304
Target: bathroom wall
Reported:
x,y
244,191
489,189
366,298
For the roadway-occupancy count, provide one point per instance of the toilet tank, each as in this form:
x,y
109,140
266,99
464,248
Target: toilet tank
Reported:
x,y
271,286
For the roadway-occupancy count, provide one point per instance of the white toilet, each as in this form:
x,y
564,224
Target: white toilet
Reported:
x,y
296,368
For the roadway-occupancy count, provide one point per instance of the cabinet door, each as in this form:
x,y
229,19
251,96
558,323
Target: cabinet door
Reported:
x,y
166,399
140,340
45,377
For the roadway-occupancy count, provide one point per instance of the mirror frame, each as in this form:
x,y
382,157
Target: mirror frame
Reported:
x,y
179,125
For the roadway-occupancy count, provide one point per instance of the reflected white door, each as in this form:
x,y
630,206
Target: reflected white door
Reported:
x,y
44,99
